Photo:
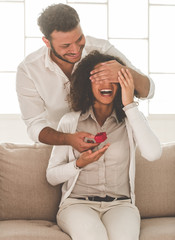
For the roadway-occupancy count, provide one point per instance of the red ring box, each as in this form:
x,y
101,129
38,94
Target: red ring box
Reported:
x,y
100,137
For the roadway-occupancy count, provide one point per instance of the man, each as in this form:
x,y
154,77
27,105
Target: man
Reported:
x,y
43,77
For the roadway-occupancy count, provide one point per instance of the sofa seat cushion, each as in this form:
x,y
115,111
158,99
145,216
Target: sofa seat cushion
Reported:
x,y
31,229
158,229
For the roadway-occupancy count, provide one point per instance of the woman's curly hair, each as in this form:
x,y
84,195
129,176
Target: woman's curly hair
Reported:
x,y
81,96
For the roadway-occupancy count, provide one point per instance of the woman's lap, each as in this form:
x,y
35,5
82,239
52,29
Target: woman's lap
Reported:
x,y
81,222
85,220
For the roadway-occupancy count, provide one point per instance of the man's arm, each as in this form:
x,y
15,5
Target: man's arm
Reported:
x,y
109,71
35,117
52,137
144,85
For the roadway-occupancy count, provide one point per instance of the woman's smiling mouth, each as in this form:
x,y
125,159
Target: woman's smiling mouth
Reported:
x,y
106,92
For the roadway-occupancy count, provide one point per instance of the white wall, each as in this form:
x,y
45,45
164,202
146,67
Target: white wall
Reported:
x,y
12,128
163,126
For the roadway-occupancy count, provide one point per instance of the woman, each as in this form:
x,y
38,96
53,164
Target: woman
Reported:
x,y
98,191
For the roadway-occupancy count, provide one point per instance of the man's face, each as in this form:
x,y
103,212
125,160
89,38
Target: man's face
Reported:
x,y
67,46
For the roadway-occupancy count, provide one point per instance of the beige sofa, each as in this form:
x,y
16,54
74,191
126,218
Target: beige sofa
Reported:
x,y
28,204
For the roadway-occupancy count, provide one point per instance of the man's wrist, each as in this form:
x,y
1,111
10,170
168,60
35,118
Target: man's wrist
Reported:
x,y
67,138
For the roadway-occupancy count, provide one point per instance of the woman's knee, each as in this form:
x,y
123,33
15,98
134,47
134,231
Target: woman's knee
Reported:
x,y
92,232
122,222
86,231
81,222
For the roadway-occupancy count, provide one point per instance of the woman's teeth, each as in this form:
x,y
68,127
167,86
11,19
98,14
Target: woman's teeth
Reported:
x,y
106,91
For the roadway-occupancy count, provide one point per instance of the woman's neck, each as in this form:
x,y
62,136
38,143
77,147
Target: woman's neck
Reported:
x,y
102,113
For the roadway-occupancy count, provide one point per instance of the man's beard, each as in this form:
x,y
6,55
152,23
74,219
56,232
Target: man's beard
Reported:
x,y
57,55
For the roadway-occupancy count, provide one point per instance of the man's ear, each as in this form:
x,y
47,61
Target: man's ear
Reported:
x,y
46,41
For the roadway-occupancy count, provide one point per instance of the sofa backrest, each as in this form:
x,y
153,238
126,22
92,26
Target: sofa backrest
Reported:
x,y
155,184
26,194
24,191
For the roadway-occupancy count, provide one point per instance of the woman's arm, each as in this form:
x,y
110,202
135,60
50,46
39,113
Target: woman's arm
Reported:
x,y
59,169
146,140
61,166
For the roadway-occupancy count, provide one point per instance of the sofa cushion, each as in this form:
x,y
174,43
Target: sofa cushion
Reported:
x,y
24,190
158,229
155,184
31,229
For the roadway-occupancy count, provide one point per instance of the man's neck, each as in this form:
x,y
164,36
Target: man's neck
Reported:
x,y
65,66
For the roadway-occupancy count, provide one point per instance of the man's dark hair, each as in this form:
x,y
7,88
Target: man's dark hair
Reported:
x,y
81,96
59,17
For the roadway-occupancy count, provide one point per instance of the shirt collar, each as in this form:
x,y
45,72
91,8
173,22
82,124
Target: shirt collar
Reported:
x,y
90,113
84,53
114,115
48,60
49,63
87,114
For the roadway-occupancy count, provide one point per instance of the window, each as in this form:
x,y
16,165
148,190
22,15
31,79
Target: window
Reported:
x,y
142,30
